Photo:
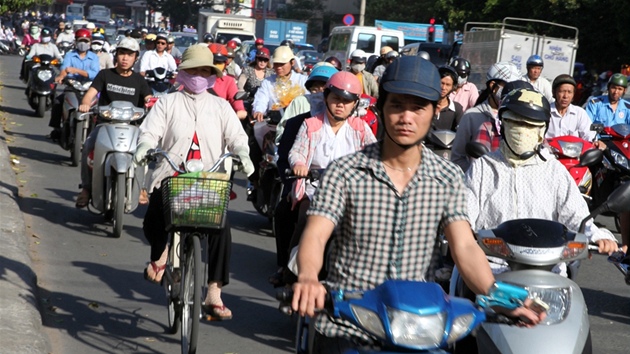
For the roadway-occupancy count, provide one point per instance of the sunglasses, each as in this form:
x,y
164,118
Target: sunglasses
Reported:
x,y
160,43
262,59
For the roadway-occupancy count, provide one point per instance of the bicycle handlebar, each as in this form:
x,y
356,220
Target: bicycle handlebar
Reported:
x,y
153,153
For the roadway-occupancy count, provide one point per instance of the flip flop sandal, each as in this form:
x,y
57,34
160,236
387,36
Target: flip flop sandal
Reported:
x,y
144,197
82,201
217,312
157,270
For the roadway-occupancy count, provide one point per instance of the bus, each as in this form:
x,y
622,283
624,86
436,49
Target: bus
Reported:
x,y
74,12
99,13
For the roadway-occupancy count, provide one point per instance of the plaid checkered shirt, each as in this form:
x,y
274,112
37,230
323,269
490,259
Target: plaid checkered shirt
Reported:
x,y
382,234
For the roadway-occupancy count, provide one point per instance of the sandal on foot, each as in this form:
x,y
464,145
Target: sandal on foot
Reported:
x,y
158,272
144,197
82,199
217,312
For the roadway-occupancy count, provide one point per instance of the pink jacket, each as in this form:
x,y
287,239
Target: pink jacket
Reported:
x,y
310,135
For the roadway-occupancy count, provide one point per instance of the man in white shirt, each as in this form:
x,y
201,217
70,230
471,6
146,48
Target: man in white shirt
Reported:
x,y
566,118
534,70
66,36
158,58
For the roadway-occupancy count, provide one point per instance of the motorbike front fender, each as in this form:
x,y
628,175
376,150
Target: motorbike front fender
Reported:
x,y
119,162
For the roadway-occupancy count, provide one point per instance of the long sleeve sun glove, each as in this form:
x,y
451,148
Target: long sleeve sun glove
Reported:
x,y
246,162
141,153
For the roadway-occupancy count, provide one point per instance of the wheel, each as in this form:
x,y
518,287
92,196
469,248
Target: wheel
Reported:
x,y
172,303
274,199
118,192
41,106
588,346
77,145
191,294
22,52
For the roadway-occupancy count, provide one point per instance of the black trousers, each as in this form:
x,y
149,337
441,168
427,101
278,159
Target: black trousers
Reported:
x,y
284,220
219,241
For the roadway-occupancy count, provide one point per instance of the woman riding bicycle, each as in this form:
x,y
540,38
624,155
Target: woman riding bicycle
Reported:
x,y
191,124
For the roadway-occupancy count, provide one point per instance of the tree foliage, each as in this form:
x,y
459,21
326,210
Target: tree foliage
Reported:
x,y
180,12
21,5
603,24
310,11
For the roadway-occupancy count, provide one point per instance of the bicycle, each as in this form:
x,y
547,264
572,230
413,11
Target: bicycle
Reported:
x,y
194,203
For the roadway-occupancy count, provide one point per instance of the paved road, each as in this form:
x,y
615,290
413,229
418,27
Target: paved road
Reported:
x,y
94,299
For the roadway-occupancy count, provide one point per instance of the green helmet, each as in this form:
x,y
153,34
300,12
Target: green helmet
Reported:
x,y
619,80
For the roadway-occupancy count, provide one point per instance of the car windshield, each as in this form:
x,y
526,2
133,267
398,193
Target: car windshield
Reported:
x,y
185,41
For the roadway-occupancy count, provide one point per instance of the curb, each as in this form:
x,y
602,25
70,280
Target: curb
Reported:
x,y
21,329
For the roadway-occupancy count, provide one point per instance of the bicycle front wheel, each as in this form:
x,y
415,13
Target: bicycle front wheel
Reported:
x,y
191,294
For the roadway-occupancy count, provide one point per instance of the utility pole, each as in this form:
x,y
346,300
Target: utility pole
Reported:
x,y
362,13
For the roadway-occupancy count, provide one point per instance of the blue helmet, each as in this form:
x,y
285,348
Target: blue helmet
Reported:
x,y
535,60
320,73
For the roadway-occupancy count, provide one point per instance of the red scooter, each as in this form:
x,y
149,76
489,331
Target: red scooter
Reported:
x,y
569,151
367,112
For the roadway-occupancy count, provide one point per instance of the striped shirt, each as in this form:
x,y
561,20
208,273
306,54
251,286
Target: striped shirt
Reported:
x,y
383,234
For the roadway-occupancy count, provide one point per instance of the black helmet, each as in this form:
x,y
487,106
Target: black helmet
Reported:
x,y
446,70
515,85
288,42
528,103
563,79
462,66
334,61
208,38
128,32
46,32
221,40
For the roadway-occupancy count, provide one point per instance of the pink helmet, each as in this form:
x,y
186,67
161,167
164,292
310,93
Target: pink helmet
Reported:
x,y
344,84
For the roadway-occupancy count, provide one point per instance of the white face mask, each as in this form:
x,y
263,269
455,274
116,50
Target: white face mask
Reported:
x,y
68,31
357,68
97,47
461,81
45,39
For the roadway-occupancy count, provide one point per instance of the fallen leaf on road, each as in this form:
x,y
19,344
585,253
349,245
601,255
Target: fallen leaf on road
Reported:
x,y
150,339
34,195
103,254
52,308
37,242
33,235
93,305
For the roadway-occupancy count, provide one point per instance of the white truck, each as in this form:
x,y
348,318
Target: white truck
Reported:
x,y
514,40
228,26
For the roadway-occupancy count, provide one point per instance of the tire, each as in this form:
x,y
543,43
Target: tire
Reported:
x,y
191,294
77,145
172,290
41,106
119,203
21,52
588,346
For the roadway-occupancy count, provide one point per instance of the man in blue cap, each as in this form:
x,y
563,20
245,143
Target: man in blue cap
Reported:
x,y
388,202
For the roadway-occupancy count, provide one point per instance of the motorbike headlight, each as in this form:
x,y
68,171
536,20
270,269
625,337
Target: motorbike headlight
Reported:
x,y
461,326
620,160
573,150
558,299
412,330
86,85
369,320
44,75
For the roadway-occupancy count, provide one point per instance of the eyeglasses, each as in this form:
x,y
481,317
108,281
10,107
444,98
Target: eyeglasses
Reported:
x,y
264,60
160,43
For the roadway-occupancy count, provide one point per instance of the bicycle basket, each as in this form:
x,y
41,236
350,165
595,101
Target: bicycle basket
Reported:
x,y
195,202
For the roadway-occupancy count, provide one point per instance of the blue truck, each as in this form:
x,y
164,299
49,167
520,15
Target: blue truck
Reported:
x,y
274,31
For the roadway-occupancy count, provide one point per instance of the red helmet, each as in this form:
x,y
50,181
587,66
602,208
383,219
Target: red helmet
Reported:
x,y
83,33
231,44
259,41
219,51
344,84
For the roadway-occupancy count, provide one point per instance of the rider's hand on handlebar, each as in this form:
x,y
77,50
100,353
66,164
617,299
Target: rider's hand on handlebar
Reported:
x,y
139,157
599,144
259,116
84,108
300,171
241,114
308,295
527,313
607,246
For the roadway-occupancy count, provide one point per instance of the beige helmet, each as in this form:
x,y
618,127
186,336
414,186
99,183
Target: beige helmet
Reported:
x,y
386,49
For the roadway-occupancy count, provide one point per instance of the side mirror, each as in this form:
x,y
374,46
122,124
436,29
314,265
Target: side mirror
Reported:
x,y
591,157
476,150
241,95
598,127
619,200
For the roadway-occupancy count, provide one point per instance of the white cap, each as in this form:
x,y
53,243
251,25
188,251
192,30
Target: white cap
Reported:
x,y
504,71
358,55
283,54
129,44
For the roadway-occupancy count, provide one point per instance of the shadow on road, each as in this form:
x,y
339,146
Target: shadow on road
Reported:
x,y
28,113
608,306
250,222
23,271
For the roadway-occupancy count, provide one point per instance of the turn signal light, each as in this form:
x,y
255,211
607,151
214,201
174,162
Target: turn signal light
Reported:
x,y
497,245
573,249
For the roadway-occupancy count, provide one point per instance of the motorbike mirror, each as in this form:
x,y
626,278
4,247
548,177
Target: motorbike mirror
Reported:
x,y
597,127
194,166
241,95
476,150
591,157
617,202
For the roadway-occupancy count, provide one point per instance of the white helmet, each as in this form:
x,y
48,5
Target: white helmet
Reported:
x,y
129,44
237,40
358,55
504,71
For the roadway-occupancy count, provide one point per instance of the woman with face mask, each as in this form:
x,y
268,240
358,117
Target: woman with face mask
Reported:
x,y
32,36
191,124
43,47
485,110
524,180
357,67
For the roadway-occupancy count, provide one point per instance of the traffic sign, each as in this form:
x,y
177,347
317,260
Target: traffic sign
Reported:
x,y
348,19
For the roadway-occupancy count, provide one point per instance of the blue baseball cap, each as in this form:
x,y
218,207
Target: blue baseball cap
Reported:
x,y
412,75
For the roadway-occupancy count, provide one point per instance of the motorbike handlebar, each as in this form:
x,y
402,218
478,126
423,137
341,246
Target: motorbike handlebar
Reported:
x,y
313,175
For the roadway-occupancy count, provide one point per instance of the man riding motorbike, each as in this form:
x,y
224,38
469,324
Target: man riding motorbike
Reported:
x,y
465,93
44,47
535,67
104,58
80,64
566,118
159,57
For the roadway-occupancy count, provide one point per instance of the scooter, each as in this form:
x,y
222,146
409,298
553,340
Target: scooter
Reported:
x,y
41,86
441,142
64,47
569,151
367,111
115,183
159,79
408,316
270,186
615,168
75,127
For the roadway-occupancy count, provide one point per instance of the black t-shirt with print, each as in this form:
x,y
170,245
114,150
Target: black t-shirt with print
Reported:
x,y
114,87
